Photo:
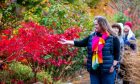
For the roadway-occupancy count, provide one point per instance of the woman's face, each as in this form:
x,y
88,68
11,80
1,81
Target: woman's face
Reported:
x,y
97,26
126,29
116,30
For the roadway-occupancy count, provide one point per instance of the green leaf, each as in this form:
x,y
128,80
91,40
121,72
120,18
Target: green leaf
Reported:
x,y
71,1
47,57
61,13
44,21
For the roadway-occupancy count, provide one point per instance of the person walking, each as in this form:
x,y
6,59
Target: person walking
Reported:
x,y
103,48
129,36
118,29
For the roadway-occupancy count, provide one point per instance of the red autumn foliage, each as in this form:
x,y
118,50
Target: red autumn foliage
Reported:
x,y
7,31
36,42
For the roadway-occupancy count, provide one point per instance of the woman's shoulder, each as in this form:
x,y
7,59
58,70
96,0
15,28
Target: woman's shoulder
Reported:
x,y
114,37
92,34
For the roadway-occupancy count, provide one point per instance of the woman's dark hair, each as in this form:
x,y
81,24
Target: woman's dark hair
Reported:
x,y
118,27
104,24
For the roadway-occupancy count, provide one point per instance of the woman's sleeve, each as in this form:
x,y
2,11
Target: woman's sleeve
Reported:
x,y
133,38
81,43
133,43
116,46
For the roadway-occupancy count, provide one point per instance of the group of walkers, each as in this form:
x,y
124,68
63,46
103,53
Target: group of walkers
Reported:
x,y
127,43
126,37
105,47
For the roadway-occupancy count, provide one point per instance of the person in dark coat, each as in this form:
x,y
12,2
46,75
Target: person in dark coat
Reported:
x,y
103,48
118,29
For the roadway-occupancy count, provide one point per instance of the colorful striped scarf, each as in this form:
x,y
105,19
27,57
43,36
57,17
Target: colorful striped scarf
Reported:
x,y
97,46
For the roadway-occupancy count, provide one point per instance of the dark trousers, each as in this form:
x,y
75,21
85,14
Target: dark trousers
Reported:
x,y
102,78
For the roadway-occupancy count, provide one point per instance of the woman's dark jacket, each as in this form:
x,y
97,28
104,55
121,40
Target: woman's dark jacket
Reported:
x,y
111,51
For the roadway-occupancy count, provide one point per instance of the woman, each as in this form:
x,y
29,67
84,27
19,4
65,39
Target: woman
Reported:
x,y
103,52
118,29
129,37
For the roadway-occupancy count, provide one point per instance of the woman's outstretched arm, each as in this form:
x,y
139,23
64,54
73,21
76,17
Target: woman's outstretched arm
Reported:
x,y
81,43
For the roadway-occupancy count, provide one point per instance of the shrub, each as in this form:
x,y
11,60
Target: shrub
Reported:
x,y
44,77
21,72
40,47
